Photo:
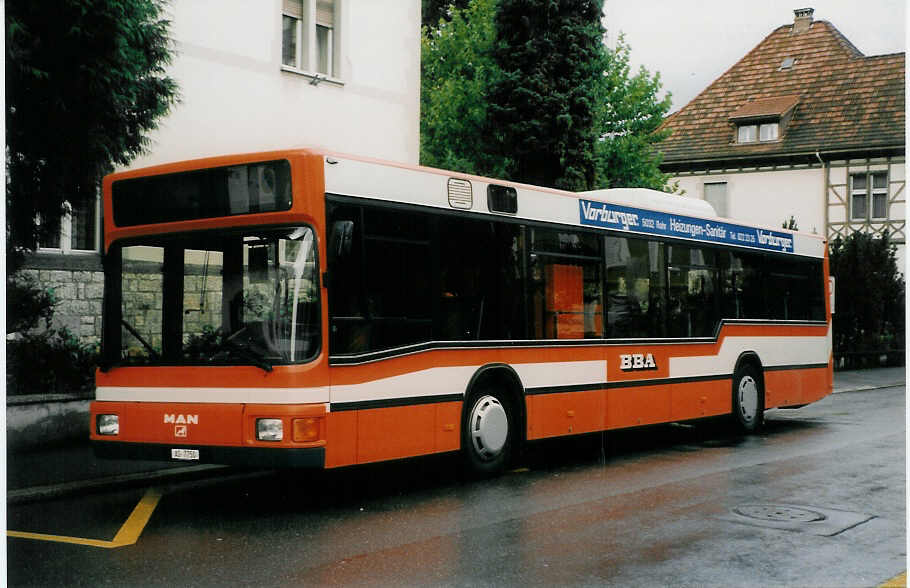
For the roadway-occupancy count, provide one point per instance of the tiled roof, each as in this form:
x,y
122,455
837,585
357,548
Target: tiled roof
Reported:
x,y
764,107
843,100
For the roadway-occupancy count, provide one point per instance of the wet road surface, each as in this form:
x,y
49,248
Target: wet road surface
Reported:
x,y
817,498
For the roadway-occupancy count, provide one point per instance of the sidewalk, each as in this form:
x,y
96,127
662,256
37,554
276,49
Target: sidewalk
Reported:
x,y
858,380
47,472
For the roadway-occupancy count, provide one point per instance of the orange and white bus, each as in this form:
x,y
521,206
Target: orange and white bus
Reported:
x,y
303,308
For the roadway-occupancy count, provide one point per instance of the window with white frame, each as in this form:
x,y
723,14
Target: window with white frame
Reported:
x,y
768,131
79,230
716,196
865,189
763,132
308,36
747,134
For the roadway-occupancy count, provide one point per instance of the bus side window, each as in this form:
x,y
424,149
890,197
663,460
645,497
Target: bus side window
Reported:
x,y
349,331
477,280
742,286
636,287
692,275
566,285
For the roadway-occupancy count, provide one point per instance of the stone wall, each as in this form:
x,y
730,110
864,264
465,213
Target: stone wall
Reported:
x,y
78,285
143,303
79,293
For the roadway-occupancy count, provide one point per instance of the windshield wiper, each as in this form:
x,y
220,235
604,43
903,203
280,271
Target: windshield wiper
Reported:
x,y
155,355
258,358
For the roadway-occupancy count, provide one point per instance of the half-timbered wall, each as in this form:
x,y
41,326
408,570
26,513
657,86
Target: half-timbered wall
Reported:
x,y
838,190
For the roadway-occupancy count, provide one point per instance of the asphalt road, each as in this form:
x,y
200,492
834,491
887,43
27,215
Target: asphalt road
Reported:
x,y
816,499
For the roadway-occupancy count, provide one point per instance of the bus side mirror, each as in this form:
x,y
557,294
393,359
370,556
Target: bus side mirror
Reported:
x,y
341,238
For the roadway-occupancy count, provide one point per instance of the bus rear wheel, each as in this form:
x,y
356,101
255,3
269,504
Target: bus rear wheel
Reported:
x,y
487,436
748,399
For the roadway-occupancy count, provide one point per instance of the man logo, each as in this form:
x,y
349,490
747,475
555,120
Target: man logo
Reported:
x,y
181,419
636,361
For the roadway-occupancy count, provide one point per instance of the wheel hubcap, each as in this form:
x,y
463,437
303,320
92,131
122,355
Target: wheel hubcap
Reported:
x,y
748,398
489,427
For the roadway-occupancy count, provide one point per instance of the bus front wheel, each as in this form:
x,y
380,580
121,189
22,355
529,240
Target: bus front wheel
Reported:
x,y
488,432
748,399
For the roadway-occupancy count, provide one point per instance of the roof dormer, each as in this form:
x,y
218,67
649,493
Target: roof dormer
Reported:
x,y
763,120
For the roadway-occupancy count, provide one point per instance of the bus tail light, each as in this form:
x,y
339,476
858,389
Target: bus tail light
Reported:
x,y
107,424
306,429
269,430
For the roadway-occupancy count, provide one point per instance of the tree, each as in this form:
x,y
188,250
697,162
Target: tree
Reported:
x,y
431,11
85,82
571,118
629,116
542,107
869,294
457,72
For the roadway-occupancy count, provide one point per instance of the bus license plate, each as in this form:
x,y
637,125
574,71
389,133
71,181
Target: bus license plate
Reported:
x,y
185,454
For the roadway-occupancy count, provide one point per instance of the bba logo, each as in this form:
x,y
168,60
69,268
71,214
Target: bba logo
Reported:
x,y
636,361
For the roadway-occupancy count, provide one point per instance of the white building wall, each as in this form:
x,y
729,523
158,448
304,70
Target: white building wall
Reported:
x,y
768,198
235,96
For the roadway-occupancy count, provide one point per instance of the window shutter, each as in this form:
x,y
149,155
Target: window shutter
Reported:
x,y
325,13
293,8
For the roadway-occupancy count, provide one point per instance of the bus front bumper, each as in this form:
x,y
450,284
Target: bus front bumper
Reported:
x,y
262,457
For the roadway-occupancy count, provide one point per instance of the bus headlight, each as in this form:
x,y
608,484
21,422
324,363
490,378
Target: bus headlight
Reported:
x,y
107,424
269,430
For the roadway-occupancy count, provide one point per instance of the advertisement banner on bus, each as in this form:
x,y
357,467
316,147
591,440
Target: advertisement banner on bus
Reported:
x,y
625,218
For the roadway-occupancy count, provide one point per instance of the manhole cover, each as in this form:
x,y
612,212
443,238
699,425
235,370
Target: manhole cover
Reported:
x,y
779,513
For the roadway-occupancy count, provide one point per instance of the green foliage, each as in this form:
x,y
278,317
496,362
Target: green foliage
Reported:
x,y
52,361
629,115
790,224
201,347
526,90
542,107
432,11
869,296
457,72
27,304
85,82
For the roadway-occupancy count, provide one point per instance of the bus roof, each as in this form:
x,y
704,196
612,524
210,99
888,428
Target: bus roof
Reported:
x,y
632,210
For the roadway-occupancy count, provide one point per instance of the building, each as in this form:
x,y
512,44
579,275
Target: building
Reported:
x,y
338,74
804,125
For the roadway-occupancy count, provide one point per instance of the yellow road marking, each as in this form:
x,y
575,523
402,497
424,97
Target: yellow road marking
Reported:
x,y
127,535
896,582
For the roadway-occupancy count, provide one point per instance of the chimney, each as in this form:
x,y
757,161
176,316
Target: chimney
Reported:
x,y
802,19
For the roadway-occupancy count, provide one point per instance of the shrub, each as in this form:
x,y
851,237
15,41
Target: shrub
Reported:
x,y
869,300
27,304
50,361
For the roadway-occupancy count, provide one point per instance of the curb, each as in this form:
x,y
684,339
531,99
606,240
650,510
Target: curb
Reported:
x,y
867,387
37,493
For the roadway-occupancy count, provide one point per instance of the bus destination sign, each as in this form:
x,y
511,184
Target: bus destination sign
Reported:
x,y
614,216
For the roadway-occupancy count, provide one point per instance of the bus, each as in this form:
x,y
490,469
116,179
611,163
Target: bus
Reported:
x,y
303,308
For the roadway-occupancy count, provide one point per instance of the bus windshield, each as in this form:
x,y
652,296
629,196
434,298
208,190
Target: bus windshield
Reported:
x,y
247,298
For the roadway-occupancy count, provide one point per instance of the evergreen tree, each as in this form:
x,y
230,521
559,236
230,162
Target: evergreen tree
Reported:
x,y
85,82
869,294
514,91
542,108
